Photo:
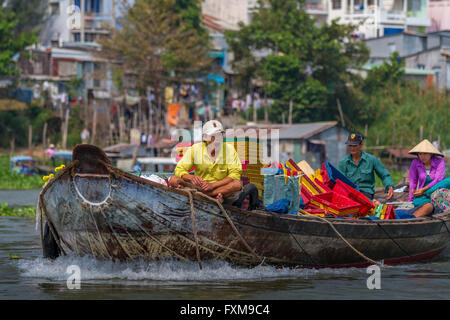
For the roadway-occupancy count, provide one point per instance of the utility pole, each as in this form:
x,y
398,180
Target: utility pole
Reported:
x,y
66,128
82,21
341,113
290,111
366,128
44,135
30,140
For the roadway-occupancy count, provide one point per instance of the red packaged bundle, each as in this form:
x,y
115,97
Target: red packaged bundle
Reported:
x,y
390,213
336,203
347,191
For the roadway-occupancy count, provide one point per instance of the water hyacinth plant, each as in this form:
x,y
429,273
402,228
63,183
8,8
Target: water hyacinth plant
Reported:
x,y
26,211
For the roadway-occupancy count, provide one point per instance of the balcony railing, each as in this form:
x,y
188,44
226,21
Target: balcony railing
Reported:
x,y
97,16
316,6
390,17
384,16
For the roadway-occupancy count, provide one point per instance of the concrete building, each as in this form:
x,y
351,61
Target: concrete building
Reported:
x,y
404,43
435,59
377,18
232,12
57,65
439,13
77,21
425,55
381,17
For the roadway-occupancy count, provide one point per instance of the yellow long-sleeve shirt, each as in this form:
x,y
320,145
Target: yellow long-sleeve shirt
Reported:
x,y
227,163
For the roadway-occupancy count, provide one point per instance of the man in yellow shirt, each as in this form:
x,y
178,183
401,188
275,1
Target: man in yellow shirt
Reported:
x,y
216,164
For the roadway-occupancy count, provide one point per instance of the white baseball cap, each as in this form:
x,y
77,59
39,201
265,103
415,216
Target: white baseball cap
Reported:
x,y
212,127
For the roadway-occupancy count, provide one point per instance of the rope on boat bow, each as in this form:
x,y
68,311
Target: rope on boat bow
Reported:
x,y
188,192
236,231
194,228
348,243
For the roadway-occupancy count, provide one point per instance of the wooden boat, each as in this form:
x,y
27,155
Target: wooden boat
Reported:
x,y
94,208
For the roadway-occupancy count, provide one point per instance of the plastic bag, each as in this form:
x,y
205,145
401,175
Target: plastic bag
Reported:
x,y
156,179
278,187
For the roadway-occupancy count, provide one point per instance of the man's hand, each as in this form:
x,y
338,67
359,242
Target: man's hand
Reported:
x,y
207,187
198,181
390,193
174,182
376,203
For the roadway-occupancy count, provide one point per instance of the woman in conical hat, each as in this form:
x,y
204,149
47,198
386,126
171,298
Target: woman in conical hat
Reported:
x,y
425,171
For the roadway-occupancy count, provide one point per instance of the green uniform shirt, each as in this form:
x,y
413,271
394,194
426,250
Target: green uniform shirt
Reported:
x,y
363,173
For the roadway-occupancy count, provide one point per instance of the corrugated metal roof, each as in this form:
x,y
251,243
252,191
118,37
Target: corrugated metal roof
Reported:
x,y
79,55
305,130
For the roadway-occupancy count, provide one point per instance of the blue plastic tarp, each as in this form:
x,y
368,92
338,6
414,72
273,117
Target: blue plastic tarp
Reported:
x,y
281,206
334,174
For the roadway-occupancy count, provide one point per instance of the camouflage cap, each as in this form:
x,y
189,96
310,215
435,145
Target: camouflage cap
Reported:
x,y
354,139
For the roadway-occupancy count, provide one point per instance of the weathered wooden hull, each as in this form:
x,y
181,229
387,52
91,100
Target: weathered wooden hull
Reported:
x,y
130,217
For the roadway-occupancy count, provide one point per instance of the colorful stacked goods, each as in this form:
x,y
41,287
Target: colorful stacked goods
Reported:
x,y
324,191
250,153
385,212
310,185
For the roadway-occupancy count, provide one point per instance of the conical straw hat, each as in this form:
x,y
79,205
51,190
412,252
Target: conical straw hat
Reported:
x,y
425,147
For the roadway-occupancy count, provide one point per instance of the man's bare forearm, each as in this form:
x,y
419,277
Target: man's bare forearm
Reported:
x,y
187,177
221,183
227,189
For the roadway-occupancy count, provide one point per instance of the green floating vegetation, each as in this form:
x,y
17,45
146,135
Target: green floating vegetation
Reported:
x,y
26,211
14,256
13,180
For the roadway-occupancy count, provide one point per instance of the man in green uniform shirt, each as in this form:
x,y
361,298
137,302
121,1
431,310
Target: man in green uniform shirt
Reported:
x,y
360,166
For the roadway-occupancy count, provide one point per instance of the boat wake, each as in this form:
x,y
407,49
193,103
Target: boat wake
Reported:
x,y
136,270
174,270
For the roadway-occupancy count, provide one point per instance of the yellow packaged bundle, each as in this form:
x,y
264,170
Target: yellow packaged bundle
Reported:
x,y
318,175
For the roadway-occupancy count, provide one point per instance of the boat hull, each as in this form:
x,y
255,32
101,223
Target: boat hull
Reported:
x,y
125,217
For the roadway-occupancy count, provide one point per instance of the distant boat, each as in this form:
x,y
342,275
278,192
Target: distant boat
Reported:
x,y
25,165
94,208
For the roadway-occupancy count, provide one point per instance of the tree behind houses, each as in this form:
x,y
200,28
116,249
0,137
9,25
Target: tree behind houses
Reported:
x,y
157,48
